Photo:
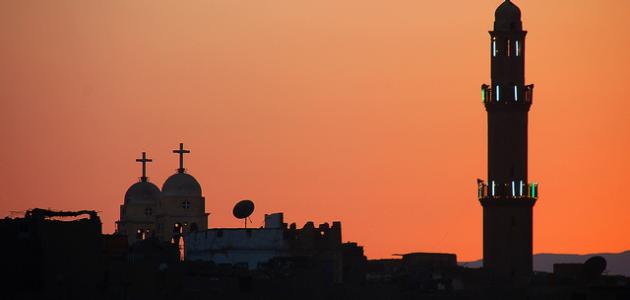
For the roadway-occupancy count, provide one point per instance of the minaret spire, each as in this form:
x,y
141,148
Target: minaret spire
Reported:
x,y
181,151
144,160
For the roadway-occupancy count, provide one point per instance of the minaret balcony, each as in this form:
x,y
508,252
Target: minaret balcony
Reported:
x,y
507,94
514,189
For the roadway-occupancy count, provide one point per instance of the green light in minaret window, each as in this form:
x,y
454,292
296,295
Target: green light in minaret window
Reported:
x,y
533,190
515,93
483,95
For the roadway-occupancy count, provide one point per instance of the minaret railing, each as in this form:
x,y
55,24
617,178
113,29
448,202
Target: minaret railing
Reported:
x,y
513,189
507,94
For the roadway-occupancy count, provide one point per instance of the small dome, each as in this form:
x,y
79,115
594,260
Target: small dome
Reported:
x,y
507,17
181,184
142,192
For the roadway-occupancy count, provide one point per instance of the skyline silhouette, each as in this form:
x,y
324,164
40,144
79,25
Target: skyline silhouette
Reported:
x,y
303,106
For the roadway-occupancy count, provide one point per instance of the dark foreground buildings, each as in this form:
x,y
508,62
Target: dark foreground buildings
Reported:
x,y
258,248
51,258
52,254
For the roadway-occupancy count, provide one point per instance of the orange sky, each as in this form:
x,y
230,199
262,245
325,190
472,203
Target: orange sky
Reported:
x,y
368,112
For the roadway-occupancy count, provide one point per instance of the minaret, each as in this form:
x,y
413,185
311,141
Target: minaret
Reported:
x,y
507,197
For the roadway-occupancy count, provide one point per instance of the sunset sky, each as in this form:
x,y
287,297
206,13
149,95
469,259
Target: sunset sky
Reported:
x,y
366,112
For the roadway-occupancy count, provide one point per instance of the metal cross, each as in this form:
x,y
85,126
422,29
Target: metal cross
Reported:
x,y
181,152
144,160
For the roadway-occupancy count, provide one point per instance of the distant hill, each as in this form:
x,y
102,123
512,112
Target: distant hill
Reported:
x,y
618,263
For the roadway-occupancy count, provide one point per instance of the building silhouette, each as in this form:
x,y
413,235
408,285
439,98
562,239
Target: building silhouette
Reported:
x,y
51,254
166,214
507,197
136,213
272,246
182,205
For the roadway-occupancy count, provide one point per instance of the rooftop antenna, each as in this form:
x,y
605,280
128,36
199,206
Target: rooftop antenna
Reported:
x,y
243,209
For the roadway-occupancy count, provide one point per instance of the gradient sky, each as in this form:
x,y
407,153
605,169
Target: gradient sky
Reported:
x,y
367,112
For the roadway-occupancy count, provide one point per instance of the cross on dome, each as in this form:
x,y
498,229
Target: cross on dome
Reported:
x,y
144,160
181,151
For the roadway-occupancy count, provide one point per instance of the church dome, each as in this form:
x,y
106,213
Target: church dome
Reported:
x,y
507,17
181,184
142,192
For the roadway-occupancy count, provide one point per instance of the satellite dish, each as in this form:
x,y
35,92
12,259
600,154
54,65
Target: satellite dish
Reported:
x,y
595,266
243,209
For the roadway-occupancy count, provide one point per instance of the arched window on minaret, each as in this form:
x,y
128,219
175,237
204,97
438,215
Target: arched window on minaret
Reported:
x,y
494,46
509,48
498,92
517,48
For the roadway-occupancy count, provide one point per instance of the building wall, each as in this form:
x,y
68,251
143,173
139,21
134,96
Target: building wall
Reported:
x,y
51,259
255,247
237,246
172,211
165,214
134,218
